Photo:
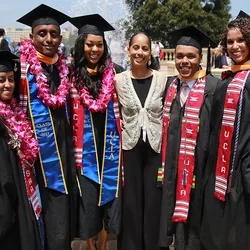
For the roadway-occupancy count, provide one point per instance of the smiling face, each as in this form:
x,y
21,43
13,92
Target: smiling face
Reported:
x,y
187,60
93,50
237,47
46,39
139,50
7,85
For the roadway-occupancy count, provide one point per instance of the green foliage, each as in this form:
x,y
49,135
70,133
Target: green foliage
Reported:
x,y
157,17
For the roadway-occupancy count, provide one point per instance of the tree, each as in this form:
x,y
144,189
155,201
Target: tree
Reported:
x,y
157,17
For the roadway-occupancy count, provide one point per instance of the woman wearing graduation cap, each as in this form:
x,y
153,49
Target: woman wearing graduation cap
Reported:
x,y
96,130
43,92
186,126
226,217
21,225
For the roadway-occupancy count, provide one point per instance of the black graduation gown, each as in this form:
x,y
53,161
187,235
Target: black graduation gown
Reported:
x,y
92,218
226,225
187,234
18,226
59,210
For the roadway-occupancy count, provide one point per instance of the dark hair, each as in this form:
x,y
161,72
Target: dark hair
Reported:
x,y
2,32
153,64
243,24
83,79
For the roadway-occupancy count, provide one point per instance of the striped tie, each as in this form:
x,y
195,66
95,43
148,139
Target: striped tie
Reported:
x,y
184,93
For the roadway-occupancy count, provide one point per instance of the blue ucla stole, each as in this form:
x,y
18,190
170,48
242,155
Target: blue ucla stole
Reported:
x,y
43,126
109,178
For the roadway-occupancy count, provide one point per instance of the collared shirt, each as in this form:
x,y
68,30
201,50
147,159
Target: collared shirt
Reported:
x,y
190,85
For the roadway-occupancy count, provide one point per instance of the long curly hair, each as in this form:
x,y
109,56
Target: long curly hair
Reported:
x,y
243,24
83,79
153,64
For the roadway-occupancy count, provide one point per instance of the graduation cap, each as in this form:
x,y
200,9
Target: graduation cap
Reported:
x,y
192,36
91,24
243,15
43,15
7,61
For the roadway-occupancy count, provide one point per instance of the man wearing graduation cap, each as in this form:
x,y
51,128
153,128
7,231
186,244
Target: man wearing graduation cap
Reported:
x,y
44,89
186,118
96,131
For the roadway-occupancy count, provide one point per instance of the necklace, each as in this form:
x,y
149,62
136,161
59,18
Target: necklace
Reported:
x,y
106,92
20,132
59,98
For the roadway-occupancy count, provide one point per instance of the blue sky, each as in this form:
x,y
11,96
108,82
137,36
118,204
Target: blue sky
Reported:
x,y
11,10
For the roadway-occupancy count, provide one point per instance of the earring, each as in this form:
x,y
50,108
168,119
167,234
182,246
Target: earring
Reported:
x,y
149,61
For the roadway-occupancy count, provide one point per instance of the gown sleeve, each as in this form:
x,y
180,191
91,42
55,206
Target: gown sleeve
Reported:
x,y
7,191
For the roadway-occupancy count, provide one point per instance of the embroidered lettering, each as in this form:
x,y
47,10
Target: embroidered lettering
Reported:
x,y
75,138
230,100
225,146
42,125
75,117
27,173
223,170
183,192
223,158
226,134
75,105
112,150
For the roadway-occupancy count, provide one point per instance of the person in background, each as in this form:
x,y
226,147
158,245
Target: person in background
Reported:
x,y
96,131
43,93
21,225
220,59
156,53
140,92
4,45
225,223
186,126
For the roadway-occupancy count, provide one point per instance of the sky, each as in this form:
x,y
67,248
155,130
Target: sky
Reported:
x,y
112,10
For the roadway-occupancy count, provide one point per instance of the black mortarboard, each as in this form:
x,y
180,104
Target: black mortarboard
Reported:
x,y
192,36
43,14
243,15
7,61
91,24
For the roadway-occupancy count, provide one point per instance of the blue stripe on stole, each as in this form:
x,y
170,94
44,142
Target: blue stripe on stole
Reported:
x,y
89,155
44,129
110,174
111,160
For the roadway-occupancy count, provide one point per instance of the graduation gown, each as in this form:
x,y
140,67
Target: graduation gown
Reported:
x,y
226,225
18,226
59,209
92,217
187,234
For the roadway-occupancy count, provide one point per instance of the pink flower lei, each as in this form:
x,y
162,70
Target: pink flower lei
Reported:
x,y
59,98
21,136
106,92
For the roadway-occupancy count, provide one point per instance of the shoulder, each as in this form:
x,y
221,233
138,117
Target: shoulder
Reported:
x,y
118,69
119,77
212,83
162,76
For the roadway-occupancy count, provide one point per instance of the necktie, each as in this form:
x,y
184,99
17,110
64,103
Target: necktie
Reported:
x,y
184,93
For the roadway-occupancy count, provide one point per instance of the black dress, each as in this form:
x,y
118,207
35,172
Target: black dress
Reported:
x,y
226,225
18,226
59,209
187,234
